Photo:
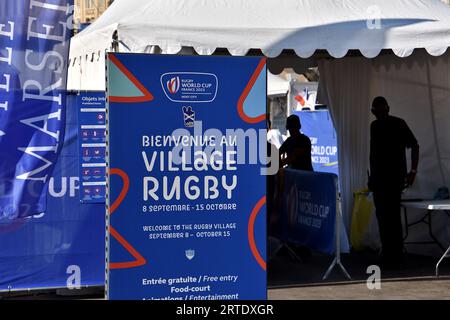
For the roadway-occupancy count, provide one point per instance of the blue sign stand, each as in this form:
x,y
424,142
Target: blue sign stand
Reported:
x,y
187,216
312,215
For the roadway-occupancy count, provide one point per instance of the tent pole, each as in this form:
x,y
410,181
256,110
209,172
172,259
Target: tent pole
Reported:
x,y
289,98
338,226
115,41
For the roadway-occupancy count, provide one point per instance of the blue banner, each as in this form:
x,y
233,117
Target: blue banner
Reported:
x,y
318,126
186,198
308,214
92,132
34,47
63,247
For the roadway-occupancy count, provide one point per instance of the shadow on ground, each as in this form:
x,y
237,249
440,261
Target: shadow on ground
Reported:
x,y
285,271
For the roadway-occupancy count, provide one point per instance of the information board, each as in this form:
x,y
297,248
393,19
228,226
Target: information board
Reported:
x,y
186,186
92,133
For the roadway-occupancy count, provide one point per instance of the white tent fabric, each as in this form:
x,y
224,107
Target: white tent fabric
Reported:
x,y
276,86
418,90
346,83
240,25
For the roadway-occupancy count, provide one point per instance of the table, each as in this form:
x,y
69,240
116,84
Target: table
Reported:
x,y
430,206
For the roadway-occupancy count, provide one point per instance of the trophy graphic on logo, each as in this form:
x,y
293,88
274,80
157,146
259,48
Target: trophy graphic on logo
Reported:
x,y
188,116
173,85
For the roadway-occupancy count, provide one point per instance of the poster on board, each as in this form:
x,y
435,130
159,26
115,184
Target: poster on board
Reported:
x,y
186,139
92,138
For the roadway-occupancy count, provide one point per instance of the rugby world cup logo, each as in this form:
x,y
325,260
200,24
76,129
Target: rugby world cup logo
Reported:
x,y
187,87
173,85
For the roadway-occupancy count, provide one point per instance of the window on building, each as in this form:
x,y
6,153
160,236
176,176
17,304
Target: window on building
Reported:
x,y
89,4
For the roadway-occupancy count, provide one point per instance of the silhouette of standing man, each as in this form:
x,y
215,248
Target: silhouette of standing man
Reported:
x,y
389,138
297,147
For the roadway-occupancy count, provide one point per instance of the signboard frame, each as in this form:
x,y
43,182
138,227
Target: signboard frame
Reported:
x,y
111,206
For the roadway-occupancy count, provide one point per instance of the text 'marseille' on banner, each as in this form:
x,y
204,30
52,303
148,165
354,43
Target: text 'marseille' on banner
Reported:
x,y
34,45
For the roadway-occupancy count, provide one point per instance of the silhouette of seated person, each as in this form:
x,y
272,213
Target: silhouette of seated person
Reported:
x,y
295,153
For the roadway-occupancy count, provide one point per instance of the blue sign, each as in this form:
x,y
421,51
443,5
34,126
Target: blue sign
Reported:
x,y
309,211
33,58
64,246
92,133
186,193
318,126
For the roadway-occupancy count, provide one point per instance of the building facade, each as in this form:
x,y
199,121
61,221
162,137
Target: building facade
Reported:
x,y
86,11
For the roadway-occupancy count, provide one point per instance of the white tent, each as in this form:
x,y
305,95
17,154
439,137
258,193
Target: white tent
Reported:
x,y
240,25
416,84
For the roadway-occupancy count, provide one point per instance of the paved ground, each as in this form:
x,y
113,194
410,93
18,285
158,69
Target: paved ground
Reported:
x,y
290,279
285,271
424,288
410,290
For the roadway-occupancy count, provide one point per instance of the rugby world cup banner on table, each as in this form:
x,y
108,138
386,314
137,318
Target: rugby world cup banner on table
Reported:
x,y
186,191
310,210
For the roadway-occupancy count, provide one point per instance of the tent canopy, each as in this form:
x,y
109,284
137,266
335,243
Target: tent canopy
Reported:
x,y
272,26
302,25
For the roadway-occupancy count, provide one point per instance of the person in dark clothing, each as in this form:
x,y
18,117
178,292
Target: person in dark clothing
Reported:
x,y
297,147
389,138
297,151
